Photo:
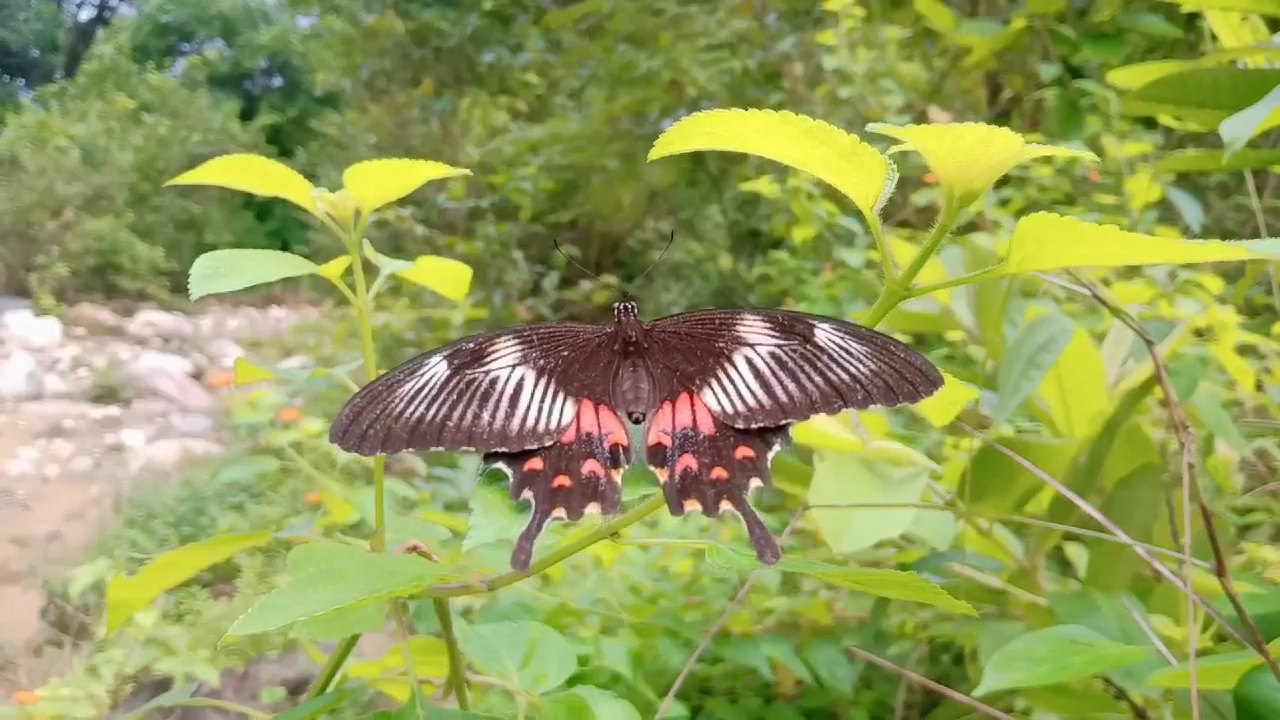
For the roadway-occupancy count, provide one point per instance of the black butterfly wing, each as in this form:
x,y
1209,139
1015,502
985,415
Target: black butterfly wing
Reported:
x,y
732,382
533,399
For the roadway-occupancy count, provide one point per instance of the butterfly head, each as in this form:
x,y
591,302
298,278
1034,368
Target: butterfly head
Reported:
x,y
626,311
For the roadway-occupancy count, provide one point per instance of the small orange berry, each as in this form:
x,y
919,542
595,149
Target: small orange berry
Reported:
x,y
221,379
930,179
289,415
25,697
314,497
1095,176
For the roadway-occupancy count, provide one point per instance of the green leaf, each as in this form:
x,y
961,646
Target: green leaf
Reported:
x,y
843,478
937,14
1037,245
1075,387
1204,96
859,171
317,707
1216,160
231,269
1243,125
493,517
940,408
832,665
1053,655
1261,7
968,158
880,582
1213,672
1257,695
334,269
444,276
1029,358
127,595
374,183
331,577
827,432
589,702
529,655
253,174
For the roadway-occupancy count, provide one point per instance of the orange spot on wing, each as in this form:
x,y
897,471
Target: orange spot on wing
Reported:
x,y
686,462
611,427
534,464
719,473
660,428
591,466
684,412
562,481
742,452
702,416
570,433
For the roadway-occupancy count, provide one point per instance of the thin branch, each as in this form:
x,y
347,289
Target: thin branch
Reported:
x,y
928,684
1187,445
715,628
1140,618
1119,693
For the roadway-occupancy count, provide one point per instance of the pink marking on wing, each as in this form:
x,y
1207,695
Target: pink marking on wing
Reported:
x,y
702,416
611,427
683,412
660,427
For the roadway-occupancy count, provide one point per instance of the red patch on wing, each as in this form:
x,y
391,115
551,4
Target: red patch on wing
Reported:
x,y
719,473
685,462
611,427
562,481
661,427
592,466
534,464
744,452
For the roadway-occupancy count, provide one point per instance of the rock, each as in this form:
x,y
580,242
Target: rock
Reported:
x,y
151,360
94,319
151,324
192,424
20,377
169,454
174,386
28,330
222,352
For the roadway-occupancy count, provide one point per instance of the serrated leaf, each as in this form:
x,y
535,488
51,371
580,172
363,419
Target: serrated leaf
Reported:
x,y
374,183
231,269
246,373
444,276
1029,358
253,174
1038,245
529,655
126,595
836,157
1057,654
334,578
851,479
940,408
968,158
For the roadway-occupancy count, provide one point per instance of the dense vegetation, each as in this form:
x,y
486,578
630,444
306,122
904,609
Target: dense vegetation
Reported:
x,y
1021,538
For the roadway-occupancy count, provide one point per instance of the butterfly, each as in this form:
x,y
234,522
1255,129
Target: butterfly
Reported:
x,y
550,403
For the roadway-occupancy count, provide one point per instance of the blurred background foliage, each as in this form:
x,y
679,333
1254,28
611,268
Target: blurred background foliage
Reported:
x,y
553,106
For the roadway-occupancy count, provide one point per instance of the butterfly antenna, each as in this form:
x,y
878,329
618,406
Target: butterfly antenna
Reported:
x,y
575,263
657,259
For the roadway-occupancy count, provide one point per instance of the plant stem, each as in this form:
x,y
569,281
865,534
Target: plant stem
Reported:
x,y
379,540
457,666
333,665
900,289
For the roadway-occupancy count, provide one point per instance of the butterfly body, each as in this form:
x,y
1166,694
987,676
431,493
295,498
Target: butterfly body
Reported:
x,y
717,391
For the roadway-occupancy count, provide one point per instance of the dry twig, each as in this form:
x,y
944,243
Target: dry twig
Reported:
x,y
928,684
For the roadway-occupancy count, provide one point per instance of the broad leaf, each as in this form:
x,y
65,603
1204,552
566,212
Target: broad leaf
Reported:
x,y
430,660
374,183
1053,655
253,174
845,478
834,156
1257,695
127,595
1213,672
445,276
1040,242
246,373
828,432
1075,388
1261,7
943,406
1216,160
880,582
334,577
968,158
1030,356
1203,96
231,269
1130,77
528,655
1241,127
334,269
587,702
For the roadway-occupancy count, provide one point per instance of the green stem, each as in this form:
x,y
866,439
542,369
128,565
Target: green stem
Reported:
x,y
457,666
569,549
966,279
900,289
332,666
379,540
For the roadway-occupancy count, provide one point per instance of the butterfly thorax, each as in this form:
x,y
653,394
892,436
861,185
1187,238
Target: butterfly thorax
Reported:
x,y
633,387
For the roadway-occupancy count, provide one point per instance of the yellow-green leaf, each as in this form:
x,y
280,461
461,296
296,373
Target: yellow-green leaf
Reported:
x,y
126,595
1213,672
943,406
232,269
1045,241
374,183
334,269
253,174
827,432
842,481
1075,388
968,158
247,373
446,276
836,157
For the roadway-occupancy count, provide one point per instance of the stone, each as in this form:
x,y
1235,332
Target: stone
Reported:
x,y
222,352
152,324
94,319
20,377
176,387
150,360
28,330
168,454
